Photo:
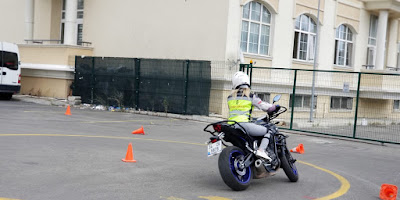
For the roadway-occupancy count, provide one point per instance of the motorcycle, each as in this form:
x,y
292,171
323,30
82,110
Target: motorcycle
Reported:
x,y
237,162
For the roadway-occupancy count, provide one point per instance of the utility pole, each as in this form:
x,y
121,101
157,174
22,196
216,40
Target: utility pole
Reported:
x,y
315,63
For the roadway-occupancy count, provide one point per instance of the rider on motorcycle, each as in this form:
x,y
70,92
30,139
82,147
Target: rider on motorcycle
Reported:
x,y
241,103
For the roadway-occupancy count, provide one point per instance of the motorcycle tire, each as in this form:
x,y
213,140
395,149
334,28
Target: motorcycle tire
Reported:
x,y
289,168
237,179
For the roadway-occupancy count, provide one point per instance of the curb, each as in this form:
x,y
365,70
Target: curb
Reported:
x,y
63,102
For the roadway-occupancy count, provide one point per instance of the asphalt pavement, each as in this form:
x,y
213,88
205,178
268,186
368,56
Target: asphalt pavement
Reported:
x,y
47,155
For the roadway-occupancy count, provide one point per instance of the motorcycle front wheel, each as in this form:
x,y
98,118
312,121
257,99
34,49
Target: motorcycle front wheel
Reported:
x,y
288,166
232,170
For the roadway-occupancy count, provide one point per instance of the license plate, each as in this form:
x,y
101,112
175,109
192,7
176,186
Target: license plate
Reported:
x,y
214,148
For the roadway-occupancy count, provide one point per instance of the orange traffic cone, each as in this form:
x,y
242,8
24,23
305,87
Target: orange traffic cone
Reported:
x,y
68,111
129,154
388,192
138,131
299,149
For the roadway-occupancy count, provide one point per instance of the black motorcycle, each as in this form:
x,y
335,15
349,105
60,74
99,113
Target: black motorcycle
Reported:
x,y
237,163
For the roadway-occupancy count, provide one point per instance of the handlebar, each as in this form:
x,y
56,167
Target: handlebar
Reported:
x,y
277,113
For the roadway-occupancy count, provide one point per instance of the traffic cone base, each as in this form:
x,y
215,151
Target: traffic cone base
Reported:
x,y
68,111
128,160
299,149
138,131
388,192
129,154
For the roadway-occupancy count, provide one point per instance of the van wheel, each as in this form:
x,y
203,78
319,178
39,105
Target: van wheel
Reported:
x,y
6,96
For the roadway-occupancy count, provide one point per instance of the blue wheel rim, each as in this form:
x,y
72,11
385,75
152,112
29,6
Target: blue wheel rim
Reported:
x,y
247,176
294,169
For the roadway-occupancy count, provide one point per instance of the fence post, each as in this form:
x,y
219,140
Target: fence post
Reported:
x,y
356,110
293,98
75,77
92,83
137,82
186,86
251,73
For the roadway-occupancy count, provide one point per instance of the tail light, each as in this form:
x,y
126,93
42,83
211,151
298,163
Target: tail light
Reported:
x,y
217,127
214,139
19,78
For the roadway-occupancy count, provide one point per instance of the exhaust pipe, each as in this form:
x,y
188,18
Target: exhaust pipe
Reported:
x,y
261,172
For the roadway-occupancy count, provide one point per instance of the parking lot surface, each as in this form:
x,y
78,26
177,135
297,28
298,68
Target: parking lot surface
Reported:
x,y
48,155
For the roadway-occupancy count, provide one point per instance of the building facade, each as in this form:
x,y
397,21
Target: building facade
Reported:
x,y
346,35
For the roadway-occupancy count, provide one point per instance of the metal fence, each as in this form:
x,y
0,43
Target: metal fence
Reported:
x,y
359,105
174,86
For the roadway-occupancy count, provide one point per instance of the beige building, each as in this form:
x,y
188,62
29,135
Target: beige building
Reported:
x,y
353,36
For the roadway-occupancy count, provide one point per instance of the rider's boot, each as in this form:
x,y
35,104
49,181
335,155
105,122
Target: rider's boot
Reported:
x,y
263,154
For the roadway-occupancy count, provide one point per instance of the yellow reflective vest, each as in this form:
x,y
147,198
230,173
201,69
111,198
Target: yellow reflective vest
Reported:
x,y
240,108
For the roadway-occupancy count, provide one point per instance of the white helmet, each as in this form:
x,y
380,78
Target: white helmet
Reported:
x,y
240,80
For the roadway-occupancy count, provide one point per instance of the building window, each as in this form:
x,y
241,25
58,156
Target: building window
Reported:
x,y
79,14
79,21
371,48
396,104
343,46
342,103
302,101
256,27
79,36
263,96
304,38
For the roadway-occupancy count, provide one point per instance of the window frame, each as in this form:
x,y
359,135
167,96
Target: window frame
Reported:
x,y
79,21
396,105
249,21
303,96
311,36
346,42
264,96
398,57
371,46
341,103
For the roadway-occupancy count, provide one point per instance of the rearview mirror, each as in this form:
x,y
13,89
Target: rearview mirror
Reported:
x,y
276,98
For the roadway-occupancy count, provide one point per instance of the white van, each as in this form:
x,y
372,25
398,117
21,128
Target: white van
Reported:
x,y
10,71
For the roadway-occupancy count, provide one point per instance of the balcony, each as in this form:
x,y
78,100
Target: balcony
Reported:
x,y
388,69
393,6
57,42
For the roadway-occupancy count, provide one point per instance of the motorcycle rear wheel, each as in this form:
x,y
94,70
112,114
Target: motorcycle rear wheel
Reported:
x,y
288,166
234,176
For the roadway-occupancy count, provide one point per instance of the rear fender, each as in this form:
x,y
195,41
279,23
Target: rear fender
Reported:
x,y
236,141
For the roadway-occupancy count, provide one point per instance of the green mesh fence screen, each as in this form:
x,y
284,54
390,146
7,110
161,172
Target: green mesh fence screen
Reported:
x,y
359,105
174,86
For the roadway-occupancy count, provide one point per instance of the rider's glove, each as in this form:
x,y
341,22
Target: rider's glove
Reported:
x,y
272,109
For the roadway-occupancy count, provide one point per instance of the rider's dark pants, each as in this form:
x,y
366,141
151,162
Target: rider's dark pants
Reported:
x,y
256,130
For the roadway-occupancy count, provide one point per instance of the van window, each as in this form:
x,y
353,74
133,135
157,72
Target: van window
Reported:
x,y
9,60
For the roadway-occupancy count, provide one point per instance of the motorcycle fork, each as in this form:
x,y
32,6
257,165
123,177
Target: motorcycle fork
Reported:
x,y
276,147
